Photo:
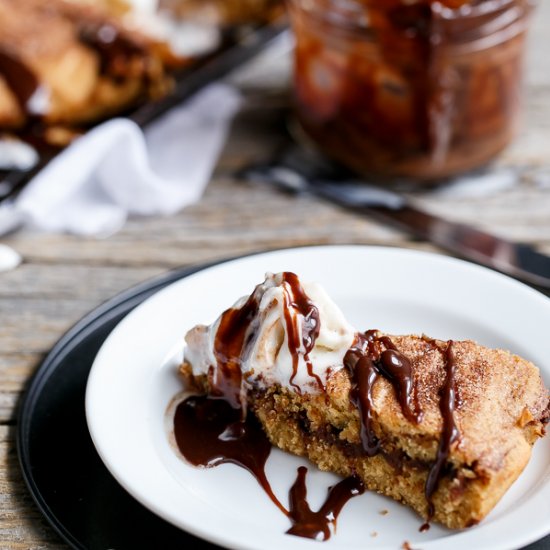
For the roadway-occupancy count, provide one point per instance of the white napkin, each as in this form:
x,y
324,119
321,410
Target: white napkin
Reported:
x,y
9,258
115,170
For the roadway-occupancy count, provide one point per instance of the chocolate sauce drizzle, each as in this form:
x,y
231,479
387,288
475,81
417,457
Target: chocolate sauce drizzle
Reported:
x,y
19,78
230,350
237,330
370,357
449,431
394,366
316,525
114,48
301,340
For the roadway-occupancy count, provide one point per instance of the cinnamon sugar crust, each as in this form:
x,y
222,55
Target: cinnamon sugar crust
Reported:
x,y
502,407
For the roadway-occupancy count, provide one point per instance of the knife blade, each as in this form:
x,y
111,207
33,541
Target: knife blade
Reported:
x,y
298,171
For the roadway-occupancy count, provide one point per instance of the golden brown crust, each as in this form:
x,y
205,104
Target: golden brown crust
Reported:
x,y
503,406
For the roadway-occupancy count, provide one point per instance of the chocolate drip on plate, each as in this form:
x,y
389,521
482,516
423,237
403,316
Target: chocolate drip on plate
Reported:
x,y
210,432
316,525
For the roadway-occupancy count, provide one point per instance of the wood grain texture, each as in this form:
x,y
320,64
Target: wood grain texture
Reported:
x,y
63,277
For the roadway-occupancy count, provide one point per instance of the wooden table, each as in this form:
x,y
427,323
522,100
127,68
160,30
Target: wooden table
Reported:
x,y
63,277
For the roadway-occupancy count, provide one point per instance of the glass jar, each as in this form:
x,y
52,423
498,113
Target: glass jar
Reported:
x,y
422,89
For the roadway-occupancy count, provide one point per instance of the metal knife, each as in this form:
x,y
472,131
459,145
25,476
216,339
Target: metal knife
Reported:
x,y
296,170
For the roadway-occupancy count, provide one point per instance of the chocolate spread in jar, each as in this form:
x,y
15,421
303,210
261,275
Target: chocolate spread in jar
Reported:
x,y
424,89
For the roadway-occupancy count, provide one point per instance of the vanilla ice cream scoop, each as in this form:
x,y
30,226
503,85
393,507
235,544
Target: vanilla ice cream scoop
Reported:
x,y
286,333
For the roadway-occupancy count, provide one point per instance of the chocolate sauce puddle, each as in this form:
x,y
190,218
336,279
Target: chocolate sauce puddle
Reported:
x,y
316,525
209,432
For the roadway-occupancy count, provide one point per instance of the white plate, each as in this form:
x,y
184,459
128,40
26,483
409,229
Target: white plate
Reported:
x,y
398,291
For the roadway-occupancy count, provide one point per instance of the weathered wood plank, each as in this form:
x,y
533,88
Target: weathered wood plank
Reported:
x,y
15,371
22,526
33,280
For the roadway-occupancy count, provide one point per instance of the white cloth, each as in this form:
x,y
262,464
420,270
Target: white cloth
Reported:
x,y
9,258
115,170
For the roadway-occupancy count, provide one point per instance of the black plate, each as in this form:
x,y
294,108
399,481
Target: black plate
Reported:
x,y
61,467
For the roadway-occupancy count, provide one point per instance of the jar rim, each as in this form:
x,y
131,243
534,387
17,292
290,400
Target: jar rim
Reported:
x,y
477,20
